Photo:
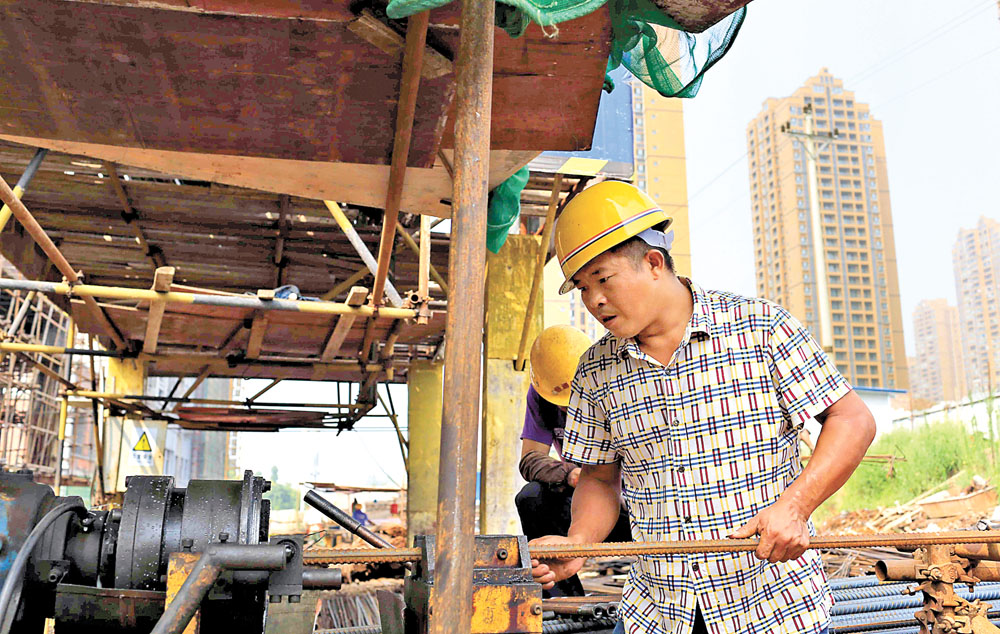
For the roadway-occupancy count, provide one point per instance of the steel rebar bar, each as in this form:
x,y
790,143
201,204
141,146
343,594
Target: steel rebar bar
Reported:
x,y
571,551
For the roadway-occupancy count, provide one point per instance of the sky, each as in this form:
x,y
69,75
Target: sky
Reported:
x,y
367,456
931,74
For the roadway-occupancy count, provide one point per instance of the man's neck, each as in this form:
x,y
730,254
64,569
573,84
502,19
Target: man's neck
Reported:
x,y
661,338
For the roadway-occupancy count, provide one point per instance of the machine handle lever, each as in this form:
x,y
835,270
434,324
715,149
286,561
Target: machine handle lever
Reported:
x,y
341,517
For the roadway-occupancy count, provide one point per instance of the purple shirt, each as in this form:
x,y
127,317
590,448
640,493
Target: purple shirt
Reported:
x,y
544,422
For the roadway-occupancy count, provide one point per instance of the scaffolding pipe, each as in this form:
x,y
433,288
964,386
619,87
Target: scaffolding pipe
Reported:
x,y
451,604
413,61
89,291
96,410
261,393
361,248
43,240
202,401
56,350
356,277
60,442
15,325
536,283
410,242
22,183
22,312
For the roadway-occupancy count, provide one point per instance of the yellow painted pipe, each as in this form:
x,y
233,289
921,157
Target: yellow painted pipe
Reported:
x,y
31,347
61,440
358,275
176,297
202,358
6,212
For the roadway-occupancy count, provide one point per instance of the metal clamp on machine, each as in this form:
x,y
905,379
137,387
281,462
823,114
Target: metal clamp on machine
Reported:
x,y
938,568
505,599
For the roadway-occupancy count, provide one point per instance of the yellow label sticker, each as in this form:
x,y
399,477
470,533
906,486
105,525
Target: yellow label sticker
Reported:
x,y
143,444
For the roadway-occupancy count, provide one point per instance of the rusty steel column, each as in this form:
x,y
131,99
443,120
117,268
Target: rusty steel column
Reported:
x,y
451,603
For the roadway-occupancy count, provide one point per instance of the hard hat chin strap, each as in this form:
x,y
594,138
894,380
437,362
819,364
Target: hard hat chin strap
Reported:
x,y
658,239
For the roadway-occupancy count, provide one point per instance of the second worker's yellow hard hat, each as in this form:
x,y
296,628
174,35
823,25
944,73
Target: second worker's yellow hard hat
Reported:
x,y
599,218
554,357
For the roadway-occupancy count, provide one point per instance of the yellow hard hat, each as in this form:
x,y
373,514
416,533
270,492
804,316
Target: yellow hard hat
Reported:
x,y
599,218
554,357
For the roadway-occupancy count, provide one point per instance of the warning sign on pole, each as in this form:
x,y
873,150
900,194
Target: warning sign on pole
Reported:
x,y
142,452
140,445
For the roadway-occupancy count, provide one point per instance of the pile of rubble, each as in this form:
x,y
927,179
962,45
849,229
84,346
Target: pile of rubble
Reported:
x,y
942,508
949,509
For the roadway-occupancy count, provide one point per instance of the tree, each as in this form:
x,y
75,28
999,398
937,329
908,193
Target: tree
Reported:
x,y
282,496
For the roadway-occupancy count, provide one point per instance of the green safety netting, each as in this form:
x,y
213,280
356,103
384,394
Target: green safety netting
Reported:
x,y
646,40
504,209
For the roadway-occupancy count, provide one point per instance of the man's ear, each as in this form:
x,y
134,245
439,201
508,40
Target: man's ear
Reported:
x,y
656,262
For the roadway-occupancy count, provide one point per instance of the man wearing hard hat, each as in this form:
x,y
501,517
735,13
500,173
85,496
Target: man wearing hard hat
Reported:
x,y
544,503
690,408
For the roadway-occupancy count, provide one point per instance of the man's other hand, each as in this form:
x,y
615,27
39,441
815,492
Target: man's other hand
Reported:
x,y
548,571
783,530
573,477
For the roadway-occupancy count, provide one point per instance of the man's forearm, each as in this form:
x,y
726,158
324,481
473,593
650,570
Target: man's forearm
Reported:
x,y
841,445
596,506
538,467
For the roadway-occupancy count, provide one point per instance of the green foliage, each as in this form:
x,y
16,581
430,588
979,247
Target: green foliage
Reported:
x,y
283,496
933,454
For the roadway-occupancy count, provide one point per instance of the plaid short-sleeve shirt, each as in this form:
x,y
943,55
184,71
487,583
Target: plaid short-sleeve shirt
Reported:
x,y
705,443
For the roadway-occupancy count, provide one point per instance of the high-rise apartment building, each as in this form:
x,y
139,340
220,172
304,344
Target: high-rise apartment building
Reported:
x,y
660,170
660,162
976,259
822,225
936,372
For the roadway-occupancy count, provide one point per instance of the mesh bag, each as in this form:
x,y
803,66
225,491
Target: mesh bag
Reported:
x,y
646,41
660,53
504,209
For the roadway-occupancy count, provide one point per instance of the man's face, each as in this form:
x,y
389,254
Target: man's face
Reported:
x,y
616,292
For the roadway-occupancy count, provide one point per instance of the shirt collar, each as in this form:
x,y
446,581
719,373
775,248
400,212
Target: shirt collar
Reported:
x,y
700,322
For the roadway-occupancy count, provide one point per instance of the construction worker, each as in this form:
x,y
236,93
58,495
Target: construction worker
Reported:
x,y
691,406
359,515
544,503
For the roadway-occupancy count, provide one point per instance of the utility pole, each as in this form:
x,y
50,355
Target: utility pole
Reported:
x,y
814,142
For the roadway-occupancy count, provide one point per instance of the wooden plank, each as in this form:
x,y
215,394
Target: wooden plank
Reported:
x,y
238,85
205,371
386,39
353,183
356,297
250,84
309,10
162,280
257,331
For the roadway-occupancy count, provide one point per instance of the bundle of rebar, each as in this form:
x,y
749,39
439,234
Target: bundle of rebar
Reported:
x,y
862,605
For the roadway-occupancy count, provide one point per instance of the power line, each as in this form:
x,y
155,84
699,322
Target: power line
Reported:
x,y
920,42
934,78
